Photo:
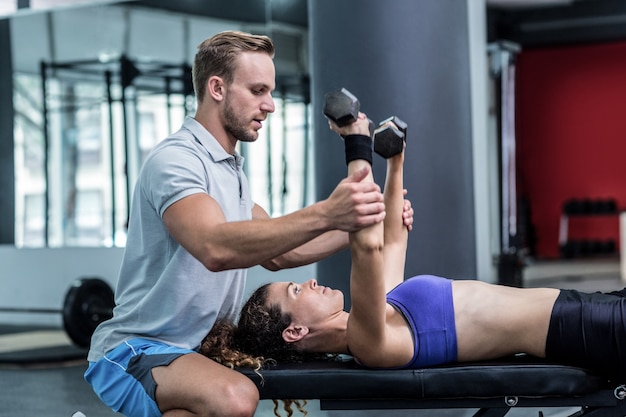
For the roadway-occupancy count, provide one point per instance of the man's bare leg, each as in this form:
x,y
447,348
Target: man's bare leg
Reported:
x,y
194,385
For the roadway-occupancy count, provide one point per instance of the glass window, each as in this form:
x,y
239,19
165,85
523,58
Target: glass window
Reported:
x,y
78,153
32,228
29,157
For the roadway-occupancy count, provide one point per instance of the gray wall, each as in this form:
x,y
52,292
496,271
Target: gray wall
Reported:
x,y
7,175
409,58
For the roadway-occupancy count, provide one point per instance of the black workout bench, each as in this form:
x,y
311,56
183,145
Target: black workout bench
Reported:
x,y
494,388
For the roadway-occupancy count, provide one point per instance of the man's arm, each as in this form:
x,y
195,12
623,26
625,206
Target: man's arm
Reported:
x,y
315,250
335,241
312,251
199,225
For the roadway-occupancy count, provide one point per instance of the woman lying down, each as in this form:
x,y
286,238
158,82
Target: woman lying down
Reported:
x,y
425,320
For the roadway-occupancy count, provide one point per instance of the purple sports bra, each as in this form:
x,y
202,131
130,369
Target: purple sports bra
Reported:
x,y
426,303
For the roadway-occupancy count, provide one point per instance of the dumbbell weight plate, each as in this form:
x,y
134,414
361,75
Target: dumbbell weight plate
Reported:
x,y
342,107
88,302
389,137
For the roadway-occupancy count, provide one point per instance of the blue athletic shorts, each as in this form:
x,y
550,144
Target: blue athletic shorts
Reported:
x,y
123,377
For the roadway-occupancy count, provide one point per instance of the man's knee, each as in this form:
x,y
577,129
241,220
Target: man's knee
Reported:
x,y
244,398
238,397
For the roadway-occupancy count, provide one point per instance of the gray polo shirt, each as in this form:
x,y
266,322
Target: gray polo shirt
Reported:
x,y
164,293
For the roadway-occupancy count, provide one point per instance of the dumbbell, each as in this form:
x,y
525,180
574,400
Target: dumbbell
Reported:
x,y
389,137
342,107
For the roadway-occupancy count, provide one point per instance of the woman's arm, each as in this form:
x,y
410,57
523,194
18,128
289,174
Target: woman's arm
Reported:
x,y
395,240
396,232
398,222
367,333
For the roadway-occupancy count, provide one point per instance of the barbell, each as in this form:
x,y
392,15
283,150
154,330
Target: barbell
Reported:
x,y
87,303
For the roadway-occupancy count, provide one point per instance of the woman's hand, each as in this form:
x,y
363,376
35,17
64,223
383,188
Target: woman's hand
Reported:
x,y
359,127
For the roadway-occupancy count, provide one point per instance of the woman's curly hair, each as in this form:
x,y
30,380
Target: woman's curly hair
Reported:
x,y
256,341
218,345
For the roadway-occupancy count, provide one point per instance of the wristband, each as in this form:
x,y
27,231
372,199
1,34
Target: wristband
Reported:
x,y
358,147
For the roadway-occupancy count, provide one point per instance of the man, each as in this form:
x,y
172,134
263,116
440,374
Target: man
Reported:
x,y
193,230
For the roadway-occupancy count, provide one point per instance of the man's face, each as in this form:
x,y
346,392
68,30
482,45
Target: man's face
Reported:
x,y
249,96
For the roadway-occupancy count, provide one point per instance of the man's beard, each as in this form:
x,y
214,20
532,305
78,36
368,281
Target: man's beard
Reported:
x,y
235,127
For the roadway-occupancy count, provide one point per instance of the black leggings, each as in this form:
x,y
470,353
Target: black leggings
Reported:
x,y
589,330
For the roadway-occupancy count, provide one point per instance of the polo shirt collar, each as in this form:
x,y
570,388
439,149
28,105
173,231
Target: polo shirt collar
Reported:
x,y
208,141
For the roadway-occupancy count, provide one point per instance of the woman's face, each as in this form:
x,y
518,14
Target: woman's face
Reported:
x,y
307,303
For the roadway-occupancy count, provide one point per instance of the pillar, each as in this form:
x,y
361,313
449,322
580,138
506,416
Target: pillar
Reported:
x,y
408,58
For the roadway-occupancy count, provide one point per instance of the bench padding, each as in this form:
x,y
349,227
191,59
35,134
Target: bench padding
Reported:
x,y
345,379
517,381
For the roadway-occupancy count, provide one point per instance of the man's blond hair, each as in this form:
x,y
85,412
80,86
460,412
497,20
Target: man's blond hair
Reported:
x,y
217,56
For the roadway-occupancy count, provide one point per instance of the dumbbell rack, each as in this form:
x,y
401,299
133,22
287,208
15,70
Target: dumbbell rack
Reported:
x,y
586,208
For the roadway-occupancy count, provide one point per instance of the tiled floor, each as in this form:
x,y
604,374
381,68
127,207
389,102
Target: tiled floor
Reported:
x,y
60,391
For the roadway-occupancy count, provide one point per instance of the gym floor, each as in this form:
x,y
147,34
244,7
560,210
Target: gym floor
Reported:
x,y
30,387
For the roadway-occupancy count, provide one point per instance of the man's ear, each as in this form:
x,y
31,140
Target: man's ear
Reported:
x,y
215,88
294,333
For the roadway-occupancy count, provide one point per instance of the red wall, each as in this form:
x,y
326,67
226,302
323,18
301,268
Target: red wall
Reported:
x,y
571,137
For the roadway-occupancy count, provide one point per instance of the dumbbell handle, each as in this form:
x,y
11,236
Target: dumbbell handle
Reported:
x,y
400,124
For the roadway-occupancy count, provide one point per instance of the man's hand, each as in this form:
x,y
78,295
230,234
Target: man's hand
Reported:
x,y
407,213
354,204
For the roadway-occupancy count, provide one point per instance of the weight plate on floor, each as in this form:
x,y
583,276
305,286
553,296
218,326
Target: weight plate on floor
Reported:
x,y
88,302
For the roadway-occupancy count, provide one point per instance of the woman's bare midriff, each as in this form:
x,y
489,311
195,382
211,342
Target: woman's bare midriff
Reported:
x,y
493,321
